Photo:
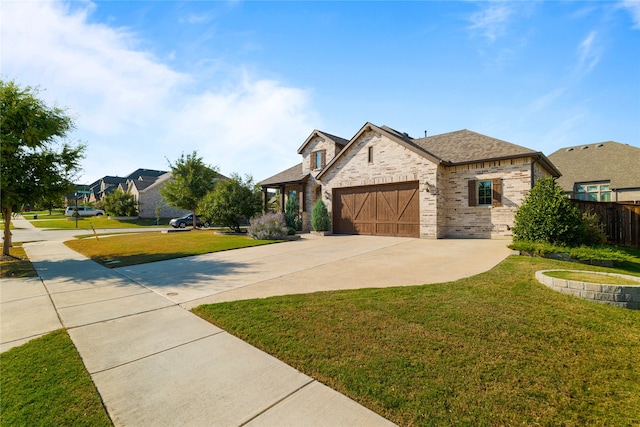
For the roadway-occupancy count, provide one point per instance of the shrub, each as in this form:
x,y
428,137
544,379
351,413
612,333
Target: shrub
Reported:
x,y
270,226
548,216
120,203
593,229
291,212
320,220
581,253
231,202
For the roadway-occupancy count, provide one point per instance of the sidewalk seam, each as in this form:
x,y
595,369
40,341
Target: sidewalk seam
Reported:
x,y
273,405
143,291
158,352
120,317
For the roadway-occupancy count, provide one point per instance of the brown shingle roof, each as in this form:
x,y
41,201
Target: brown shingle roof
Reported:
x,y
293,174
465,146
604,161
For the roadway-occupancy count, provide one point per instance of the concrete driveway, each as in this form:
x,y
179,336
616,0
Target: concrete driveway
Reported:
x,y
316,263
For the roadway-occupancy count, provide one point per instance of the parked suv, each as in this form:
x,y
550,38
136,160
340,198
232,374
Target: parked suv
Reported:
x,y
83,211
186,220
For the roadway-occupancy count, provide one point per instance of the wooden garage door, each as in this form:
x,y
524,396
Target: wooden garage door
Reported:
x,y
381,210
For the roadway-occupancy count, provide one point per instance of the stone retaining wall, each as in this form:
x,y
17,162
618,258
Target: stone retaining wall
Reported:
x,y
617,295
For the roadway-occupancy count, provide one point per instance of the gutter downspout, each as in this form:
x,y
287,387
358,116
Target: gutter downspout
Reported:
x,y
533,179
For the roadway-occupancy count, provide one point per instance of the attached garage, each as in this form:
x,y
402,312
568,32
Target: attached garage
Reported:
x,y
379,210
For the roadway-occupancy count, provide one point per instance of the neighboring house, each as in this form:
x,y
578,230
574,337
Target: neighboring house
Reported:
x,y
602,172
383,182
149,199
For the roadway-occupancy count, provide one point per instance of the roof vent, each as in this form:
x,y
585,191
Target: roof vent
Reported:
x,y
585,147
600,145
569,149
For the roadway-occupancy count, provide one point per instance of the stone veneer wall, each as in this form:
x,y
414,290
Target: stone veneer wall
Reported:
x,y
392,163
150,198
617,295
331,150
461,220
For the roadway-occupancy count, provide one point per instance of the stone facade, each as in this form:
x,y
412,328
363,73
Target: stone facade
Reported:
x,y
150,198
313,186
462,220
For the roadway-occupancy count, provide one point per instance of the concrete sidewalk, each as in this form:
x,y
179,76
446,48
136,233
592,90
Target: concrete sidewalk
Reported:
x,y
154,363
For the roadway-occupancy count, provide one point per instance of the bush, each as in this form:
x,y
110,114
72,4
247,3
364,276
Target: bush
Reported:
x,y
581,253
593,229
291,212
270,226
231,202
320,220
548,216
120,203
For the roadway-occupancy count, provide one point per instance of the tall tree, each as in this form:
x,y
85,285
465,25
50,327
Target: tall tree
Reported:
x,y
233,202
191,180
36,161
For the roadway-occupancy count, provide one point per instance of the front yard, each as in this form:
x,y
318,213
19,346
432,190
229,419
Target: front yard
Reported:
x,y
498,348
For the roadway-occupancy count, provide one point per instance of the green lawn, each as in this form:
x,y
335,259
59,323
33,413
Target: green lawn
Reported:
x,y
17,266
98,222
140,248
495,349
44,383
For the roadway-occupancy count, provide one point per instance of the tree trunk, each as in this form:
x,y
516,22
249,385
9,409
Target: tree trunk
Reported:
x,y
6,215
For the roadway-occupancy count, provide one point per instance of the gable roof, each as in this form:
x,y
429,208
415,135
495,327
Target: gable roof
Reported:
x,y
453,148
145,173
293,174
604,161
401,138
335,139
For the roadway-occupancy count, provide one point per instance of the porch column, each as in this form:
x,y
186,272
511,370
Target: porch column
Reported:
x,y
303,207
282,198
264,200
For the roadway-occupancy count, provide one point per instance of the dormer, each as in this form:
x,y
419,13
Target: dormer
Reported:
x,y
318,150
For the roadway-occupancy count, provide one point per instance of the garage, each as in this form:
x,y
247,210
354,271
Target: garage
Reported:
x,y
378,210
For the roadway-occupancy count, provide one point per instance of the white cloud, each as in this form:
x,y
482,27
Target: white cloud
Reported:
x,y
547,100
132,110
589,52
491,21
633,7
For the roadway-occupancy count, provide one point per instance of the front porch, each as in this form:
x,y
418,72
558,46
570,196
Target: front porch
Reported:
x,y
289,183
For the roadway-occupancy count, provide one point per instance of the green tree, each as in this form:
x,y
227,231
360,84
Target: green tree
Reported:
x,y
291,211
233,202
120,203
548,216
320,220
191,180
36,162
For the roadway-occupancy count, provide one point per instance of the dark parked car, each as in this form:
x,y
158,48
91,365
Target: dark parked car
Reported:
x,y
187,220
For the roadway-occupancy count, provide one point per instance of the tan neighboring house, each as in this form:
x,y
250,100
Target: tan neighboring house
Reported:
x,y
602,172
383,182
148,198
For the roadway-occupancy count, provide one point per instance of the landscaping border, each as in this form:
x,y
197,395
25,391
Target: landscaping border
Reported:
x,y
616,295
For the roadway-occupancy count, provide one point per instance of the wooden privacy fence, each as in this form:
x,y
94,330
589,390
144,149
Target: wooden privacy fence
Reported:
x,y
621,221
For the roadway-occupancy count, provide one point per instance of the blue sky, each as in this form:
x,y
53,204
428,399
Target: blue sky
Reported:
x,y
244,83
